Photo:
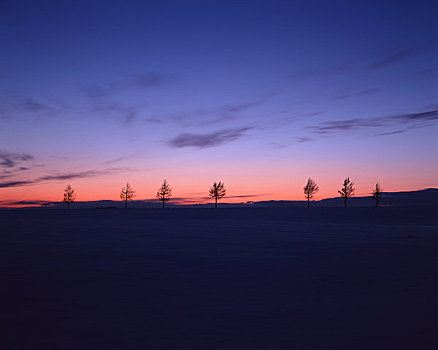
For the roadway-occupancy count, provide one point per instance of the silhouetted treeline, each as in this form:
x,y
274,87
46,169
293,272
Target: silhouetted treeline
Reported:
x,y
218,191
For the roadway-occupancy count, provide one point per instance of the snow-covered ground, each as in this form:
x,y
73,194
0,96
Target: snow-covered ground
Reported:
x,y
235,278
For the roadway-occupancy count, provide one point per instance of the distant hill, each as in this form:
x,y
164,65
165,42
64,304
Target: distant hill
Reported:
x,y
427,197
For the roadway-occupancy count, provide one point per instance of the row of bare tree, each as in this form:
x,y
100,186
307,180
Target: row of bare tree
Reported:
x,y
127,194
218,191
347,190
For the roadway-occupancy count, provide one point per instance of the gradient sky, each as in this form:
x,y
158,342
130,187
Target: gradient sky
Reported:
x,y
258,94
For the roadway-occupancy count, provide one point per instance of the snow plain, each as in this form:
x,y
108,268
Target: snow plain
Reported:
x,y
231,278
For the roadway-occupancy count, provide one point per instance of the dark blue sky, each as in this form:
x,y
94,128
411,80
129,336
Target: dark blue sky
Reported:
x,y
97,92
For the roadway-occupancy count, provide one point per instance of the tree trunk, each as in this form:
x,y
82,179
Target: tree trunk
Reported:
x,y
215,202
308,200
163,203
126,203
345,202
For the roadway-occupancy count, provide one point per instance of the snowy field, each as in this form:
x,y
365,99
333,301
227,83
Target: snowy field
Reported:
x,y
235,278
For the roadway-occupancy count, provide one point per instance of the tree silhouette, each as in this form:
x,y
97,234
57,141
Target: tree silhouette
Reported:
x,y
164,193
126,194
347,190
377,193
217,191
310,189
69,195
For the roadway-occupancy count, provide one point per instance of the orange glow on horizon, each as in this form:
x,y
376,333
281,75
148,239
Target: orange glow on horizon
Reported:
x,y
239,190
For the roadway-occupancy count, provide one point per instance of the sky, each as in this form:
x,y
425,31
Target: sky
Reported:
x,y
258,94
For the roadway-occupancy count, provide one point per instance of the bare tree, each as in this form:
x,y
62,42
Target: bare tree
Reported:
x,y
164,193
347,190
69,195
217,191
126,194
377,193
310,189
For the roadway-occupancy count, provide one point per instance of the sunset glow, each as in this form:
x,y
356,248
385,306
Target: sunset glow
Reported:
x,y
261,97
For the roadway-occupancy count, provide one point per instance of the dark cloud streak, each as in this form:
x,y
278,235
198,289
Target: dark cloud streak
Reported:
x,y
408,120
421,116
58,177
343,125
10,160
212,139
15,183
391,133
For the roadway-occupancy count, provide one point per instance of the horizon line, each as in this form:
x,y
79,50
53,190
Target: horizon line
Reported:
x,y
178,201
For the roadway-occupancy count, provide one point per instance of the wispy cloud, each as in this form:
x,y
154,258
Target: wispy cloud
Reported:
x,y
249,195
321,72
142,81
12,104
405,120
238,107
124,158
206,199
21,203
127,114
74,175
397,56
415,117
58,177
428,73
149,80
391,133
153,120
116,160
212,139
311,114
31,105
129,118
356,94
210,116
15,183
13,163
10,160
302,139
333,126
